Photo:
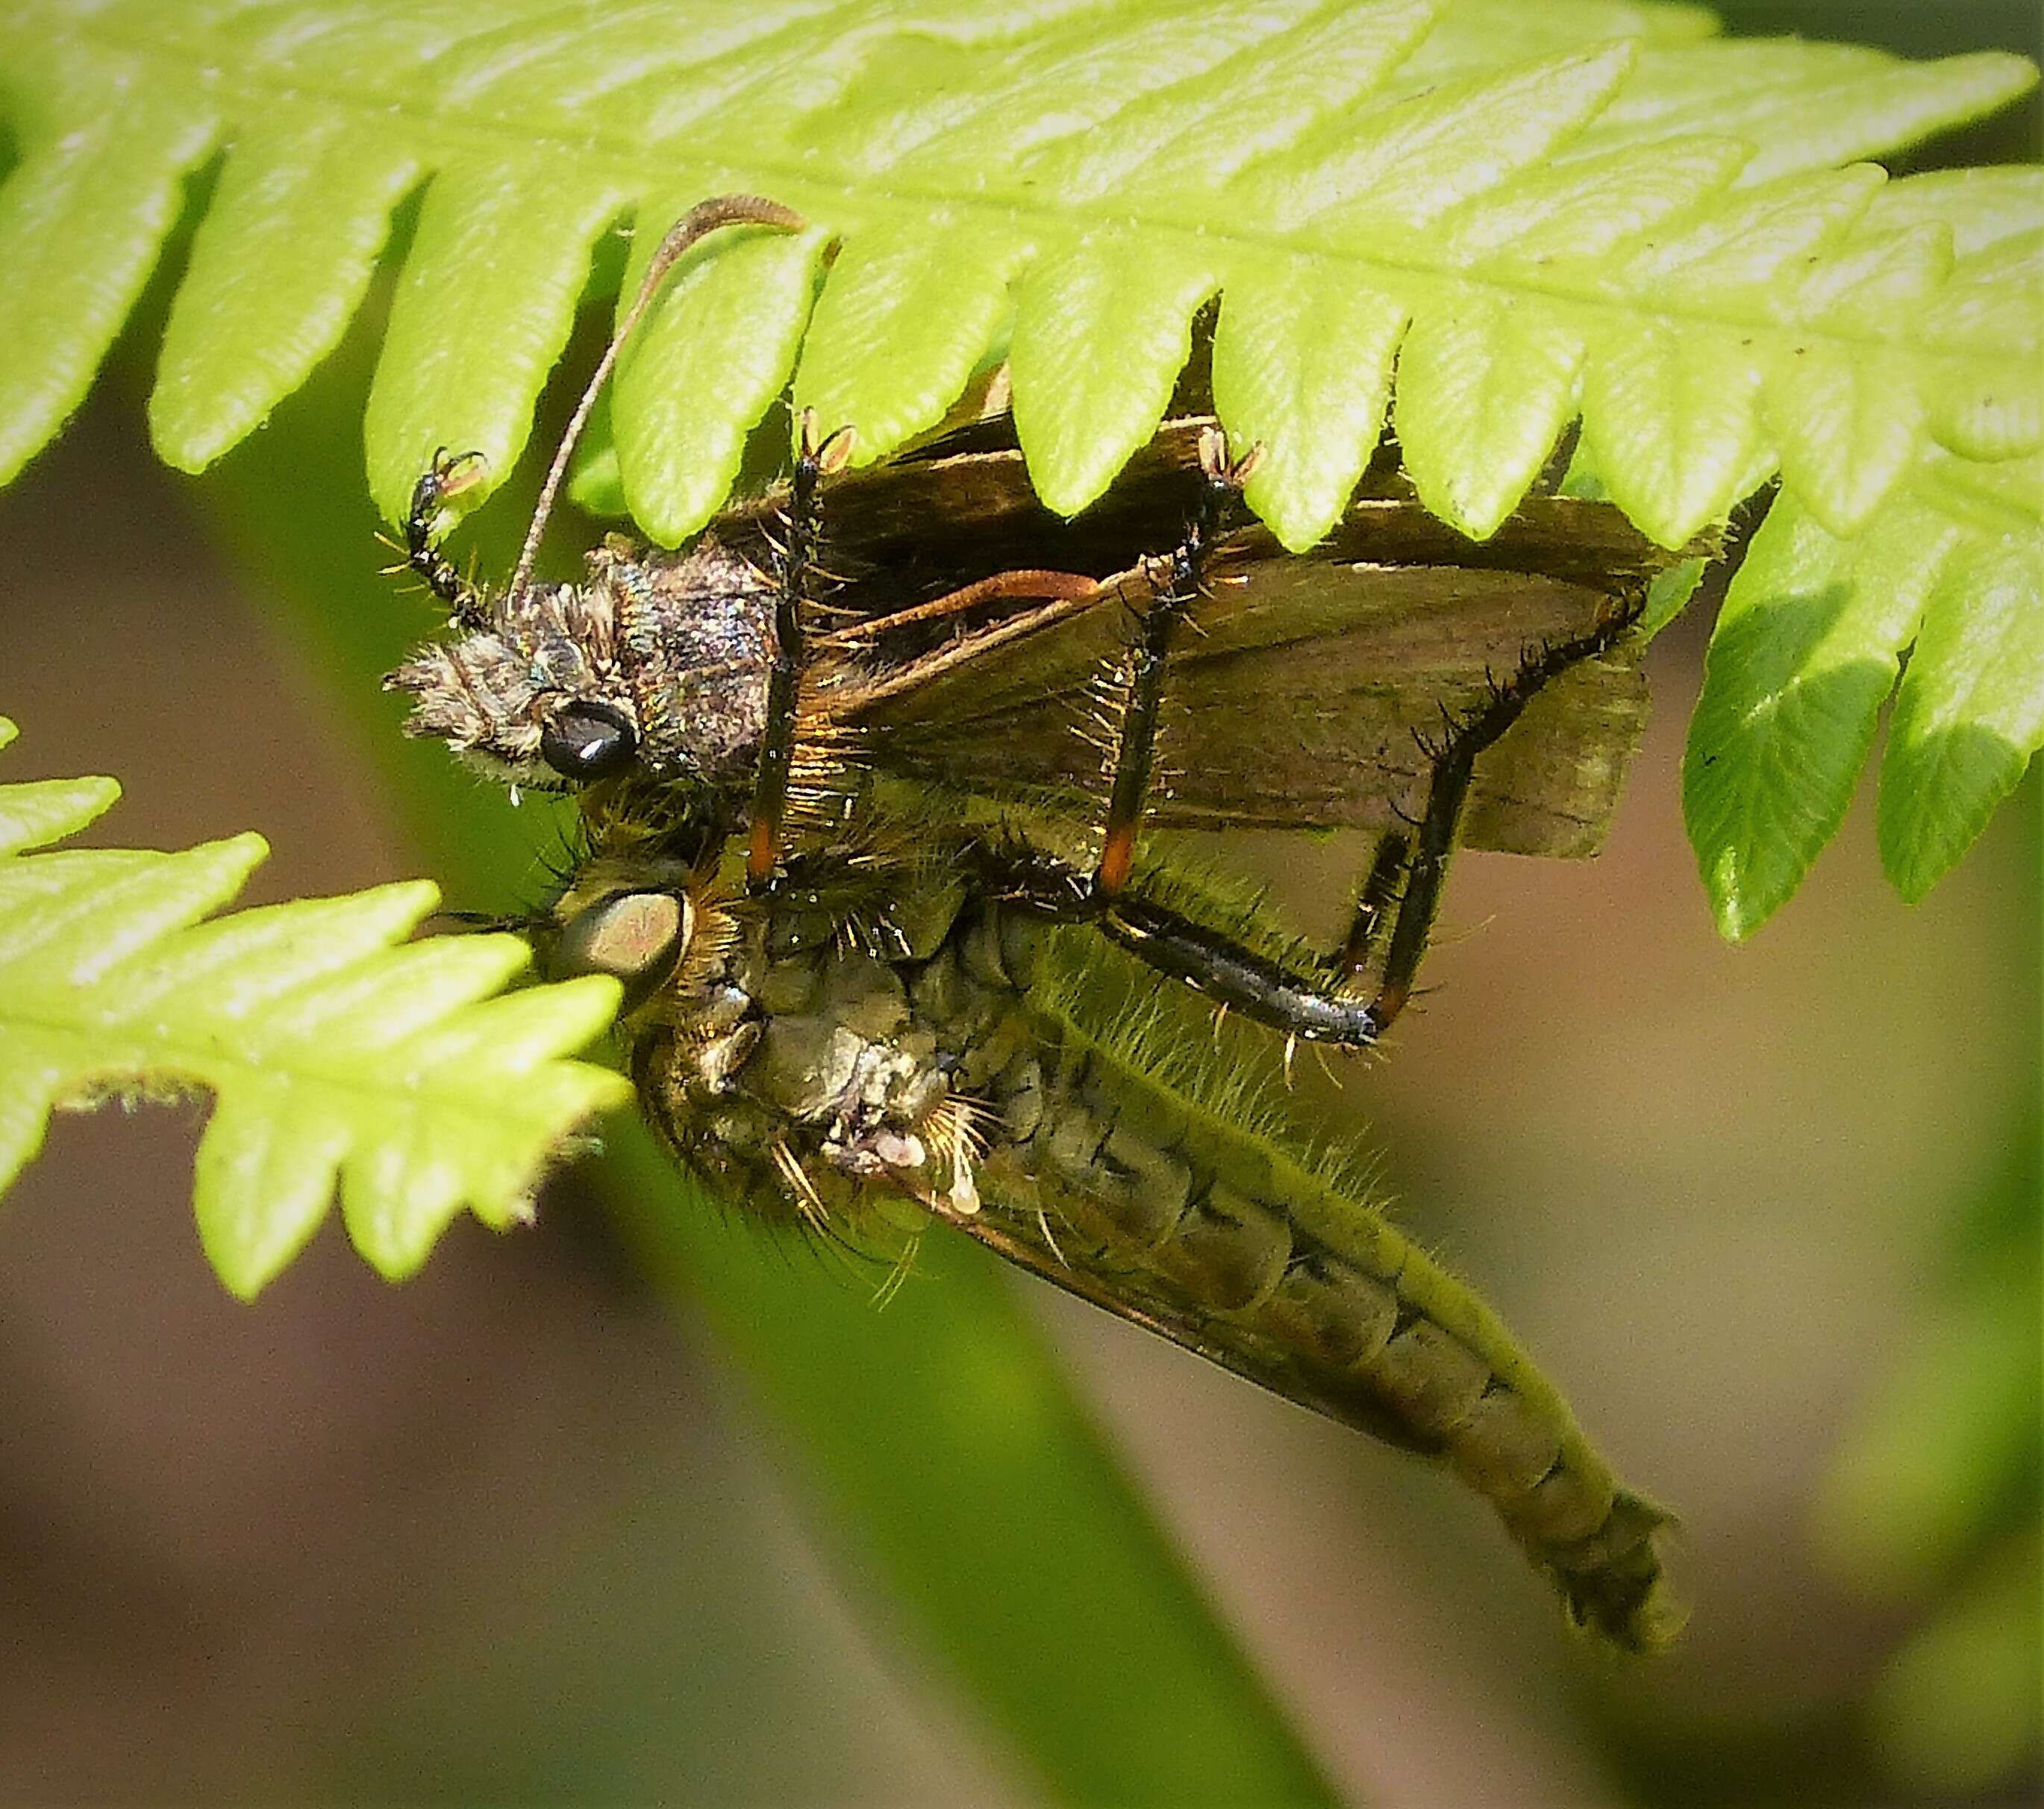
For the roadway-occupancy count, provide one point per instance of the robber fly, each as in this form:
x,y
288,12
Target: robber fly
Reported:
x,y
844,855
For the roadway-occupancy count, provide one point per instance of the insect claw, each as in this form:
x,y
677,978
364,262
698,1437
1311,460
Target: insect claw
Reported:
x,y
836,452
827,456
1214,462
462,472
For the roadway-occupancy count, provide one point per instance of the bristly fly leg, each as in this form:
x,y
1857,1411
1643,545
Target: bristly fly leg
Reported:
x,y
1208,960
1246,979
1135,746
793,560
1421,856
1376,903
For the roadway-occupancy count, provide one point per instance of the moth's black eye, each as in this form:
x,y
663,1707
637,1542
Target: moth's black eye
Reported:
x,y
588,740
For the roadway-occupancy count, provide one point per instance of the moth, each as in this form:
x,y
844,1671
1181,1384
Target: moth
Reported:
x,y
866,845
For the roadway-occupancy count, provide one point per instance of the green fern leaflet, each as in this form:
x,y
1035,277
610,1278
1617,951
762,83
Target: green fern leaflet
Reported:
x,y
335,1051
1482,224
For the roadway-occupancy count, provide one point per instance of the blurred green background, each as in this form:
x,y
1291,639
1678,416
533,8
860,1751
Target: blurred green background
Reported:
x,y
517,1531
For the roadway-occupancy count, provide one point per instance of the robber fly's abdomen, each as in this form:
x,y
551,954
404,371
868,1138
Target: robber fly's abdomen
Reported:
x,y
1106,1178
1376,1335
815,1078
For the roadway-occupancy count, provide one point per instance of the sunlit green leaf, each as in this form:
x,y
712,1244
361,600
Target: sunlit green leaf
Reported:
x,y
337,1052
1599,183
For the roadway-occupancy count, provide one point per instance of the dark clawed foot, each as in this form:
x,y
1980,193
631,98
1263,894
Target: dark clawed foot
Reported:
x,y
451,473
826,456
448,476
1220,474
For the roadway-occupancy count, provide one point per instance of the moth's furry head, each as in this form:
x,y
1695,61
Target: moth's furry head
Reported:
x,y
656,666
494,693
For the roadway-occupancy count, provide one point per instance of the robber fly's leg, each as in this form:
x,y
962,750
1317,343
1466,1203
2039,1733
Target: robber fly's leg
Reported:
x,y
1136,743
794,558
1423,854
1245,980
446,476
1376,901
1167,940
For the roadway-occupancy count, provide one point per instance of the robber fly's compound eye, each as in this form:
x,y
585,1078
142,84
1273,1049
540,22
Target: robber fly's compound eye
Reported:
x,y
588,740
637,937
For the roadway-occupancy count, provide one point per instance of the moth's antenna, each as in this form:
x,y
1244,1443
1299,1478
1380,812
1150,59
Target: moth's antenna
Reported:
x,y
701,220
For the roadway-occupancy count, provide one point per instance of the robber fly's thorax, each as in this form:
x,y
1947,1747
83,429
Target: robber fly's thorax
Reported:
x,y
780,1056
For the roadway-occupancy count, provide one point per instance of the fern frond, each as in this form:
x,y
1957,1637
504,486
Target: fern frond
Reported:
x,y
1806,651
1654,216
335,1051
1482,221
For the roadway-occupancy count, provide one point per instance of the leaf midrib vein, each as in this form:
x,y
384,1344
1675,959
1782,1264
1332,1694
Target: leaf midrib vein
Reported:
x,y
219,77
188,1060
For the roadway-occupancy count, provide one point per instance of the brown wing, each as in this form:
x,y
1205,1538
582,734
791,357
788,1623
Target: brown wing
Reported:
x,y
1301,705
1296,701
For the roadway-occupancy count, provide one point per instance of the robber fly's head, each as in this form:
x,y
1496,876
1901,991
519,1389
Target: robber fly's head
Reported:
x,y
643,902
533,693
639,935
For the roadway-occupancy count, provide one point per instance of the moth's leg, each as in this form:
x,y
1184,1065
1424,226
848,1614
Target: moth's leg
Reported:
x,y
1421,855
1137,741
792,561
446,476
1029,581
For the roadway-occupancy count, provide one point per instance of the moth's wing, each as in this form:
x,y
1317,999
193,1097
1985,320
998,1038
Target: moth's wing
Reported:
x,y
961,509
1303,686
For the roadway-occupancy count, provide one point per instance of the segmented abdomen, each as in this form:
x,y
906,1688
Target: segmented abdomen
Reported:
x,y
1134,1179
1107,1179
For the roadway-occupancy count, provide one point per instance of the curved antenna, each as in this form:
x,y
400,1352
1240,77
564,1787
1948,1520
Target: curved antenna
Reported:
x,y
701,220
